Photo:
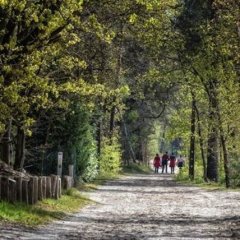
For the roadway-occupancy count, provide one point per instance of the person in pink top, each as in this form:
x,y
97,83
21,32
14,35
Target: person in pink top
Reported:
x,y
172,163
157,163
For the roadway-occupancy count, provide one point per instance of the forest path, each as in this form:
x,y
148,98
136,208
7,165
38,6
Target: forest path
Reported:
x,y
146,207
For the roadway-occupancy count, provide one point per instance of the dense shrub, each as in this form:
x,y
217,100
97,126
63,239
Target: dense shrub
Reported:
x,y
110,158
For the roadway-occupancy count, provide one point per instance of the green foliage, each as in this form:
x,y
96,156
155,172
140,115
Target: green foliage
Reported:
x,y
110,157
69,74
155,139
80,144
235,172
42,212
182,175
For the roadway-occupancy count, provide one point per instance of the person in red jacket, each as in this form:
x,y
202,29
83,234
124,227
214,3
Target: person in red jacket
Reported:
x,y
157,163
165,159
172,163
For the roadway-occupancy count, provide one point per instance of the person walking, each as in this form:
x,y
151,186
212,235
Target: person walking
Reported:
x,y
172,163
165,159
180,162
157,162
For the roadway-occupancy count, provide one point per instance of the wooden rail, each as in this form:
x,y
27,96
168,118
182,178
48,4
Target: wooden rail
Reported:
x,y
32,189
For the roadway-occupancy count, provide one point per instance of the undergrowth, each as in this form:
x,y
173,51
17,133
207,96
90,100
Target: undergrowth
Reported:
x,y
44,211
183,176
136,168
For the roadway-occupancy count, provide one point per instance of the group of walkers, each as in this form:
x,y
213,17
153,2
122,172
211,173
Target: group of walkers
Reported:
x,y
163,162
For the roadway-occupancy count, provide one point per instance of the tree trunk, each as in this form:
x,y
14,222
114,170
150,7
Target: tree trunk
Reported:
x,y
6,144
99,136
201,144
192,140
111,125
225,152
162,142
20,149
129,142
225,160
212,152
144,151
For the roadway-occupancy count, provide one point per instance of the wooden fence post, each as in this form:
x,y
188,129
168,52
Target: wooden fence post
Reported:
x,y
35,185
56,196
49,187
40,188
70,170
33,190
25,184
54,186
44,186
67,182
7,189
12,193
19,181
60,187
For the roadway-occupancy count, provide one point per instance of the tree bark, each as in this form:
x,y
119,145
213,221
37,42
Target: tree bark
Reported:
x,y
224,148
111,125
20,149
192,140
6,144
225,160
212,152
201,144
128,141
99,136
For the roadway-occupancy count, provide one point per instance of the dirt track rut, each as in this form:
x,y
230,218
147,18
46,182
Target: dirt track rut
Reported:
x,y
146,207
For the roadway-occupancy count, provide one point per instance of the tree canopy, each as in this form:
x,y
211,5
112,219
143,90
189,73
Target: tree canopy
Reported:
x,y
113,82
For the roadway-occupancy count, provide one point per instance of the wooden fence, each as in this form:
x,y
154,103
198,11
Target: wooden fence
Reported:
x,y
32,189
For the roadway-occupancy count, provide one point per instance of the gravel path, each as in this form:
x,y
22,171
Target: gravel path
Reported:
x,y
146,207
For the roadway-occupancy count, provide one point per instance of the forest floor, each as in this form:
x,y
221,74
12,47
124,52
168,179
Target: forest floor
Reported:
x,y
142,206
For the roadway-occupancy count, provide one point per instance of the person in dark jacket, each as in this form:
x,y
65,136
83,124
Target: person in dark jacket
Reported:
x,y
165,159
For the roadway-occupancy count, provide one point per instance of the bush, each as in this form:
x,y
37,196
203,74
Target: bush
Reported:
x,y
235,173
110,158
79,143
182,174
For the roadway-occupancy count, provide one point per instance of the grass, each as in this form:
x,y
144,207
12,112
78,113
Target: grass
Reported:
x,y
199,181
103,177
136,168
44,211
100,179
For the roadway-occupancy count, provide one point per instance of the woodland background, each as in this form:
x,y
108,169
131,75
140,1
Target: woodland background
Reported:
x,y
113,82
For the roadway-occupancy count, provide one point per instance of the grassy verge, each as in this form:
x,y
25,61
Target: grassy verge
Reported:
x,y
136,168
103,177
42,212
50,209
198,181
100,179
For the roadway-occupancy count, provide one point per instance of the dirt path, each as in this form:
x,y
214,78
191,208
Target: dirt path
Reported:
x,y
146,207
